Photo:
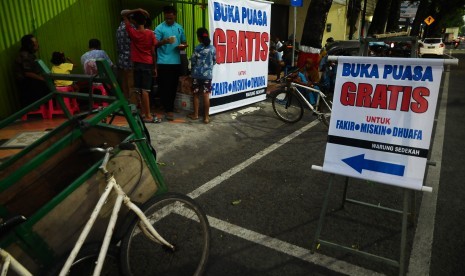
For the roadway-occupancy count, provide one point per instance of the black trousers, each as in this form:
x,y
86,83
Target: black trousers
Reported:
x,y
168,78
31,90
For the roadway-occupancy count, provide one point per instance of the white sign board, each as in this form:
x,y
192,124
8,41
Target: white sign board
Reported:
x,y
241,35
408,9
382,119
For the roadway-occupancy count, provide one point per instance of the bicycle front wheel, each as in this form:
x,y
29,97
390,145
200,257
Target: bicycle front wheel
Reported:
x,y
180,221
287,106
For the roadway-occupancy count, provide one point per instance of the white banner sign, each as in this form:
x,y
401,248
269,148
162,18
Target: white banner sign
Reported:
x,y
241,35
408,9
382,119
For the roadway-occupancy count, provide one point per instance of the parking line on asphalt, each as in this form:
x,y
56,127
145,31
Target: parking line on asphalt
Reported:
x,y
420,257
278,245
229,173
290,249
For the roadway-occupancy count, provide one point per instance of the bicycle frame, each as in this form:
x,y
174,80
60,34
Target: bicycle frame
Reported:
x,y
321,95
9,261
121,198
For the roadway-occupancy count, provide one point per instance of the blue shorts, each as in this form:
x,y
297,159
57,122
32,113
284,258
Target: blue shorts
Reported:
x,y
143,76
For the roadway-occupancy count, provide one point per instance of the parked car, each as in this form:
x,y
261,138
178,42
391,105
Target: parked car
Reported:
x,y
375,48
344,48
400,49
431,46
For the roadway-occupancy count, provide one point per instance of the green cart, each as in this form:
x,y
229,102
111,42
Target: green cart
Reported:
x,y
55,182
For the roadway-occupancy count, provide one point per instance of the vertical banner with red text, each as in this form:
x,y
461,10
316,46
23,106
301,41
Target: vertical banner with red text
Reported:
x,y
240,31
382,119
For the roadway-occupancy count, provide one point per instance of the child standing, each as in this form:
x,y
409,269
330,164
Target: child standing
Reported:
x,y
60,66
202,61
142,46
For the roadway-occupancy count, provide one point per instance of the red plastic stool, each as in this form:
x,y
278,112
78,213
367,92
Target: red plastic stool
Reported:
x,y
42,110
71,104
102,91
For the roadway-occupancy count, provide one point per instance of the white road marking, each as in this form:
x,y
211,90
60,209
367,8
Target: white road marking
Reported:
x,y
278,245
420,257
290,249
226,175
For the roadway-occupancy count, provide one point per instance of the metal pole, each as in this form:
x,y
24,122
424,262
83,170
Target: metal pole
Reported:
x,y
322,215
403,238
362,34
293,42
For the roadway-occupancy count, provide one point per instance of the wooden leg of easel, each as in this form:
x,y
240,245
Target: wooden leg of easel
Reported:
x,y
322,215
403,239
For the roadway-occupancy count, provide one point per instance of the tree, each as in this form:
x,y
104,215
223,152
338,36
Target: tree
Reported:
x,y
445,13
394,16
422,13
315,23
380,17
353,10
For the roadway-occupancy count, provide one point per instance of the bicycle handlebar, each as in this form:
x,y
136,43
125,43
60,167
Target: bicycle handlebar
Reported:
x,y
108,151
6,225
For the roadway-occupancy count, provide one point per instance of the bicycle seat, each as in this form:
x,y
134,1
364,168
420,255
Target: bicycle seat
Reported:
x,y
7,224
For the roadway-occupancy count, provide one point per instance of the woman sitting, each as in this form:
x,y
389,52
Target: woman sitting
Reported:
x,y
309,76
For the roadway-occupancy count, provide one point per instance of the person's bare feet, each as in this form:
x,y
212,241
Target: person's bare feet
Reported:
x,y
192,116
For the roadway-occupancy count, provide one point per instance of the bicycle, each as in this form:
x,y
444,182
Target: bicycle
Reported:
x,y
6,260
177,217
82,265
288,103
188,246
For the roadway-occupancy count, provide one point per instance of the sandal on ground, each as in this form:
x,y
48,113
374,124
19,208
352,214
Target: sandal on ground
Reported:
x,y
143,115
154,120
192,117
169,117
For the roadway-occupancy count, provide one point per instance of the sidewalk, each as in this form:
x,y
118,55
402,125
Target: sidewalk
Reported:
x,y
180,116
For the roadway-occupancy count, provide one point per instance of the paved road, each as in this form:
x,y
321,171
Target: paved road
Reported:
x,y
449,238
251,173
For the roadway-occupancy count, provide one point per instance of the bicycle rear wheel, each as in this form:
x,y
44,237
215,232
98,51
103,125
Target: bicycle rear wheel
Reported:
x,y
287,106
179,220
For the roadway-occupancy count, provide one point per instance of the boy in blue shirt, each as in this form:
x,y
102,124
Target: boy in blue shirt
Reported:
x,y
202,61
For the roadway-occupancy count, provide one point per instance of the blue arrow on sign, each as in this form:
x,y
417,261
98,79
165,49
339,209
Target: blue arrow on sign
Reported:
x,y
359,163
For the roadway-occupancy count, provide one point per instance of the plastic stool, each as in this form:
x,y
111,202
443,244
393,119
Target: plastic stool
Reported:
x,y
103,92
42,110
71,104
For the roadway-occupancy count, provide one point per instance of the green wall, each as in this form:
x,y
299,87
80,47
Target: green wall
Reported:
x,y
59,25
67,26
